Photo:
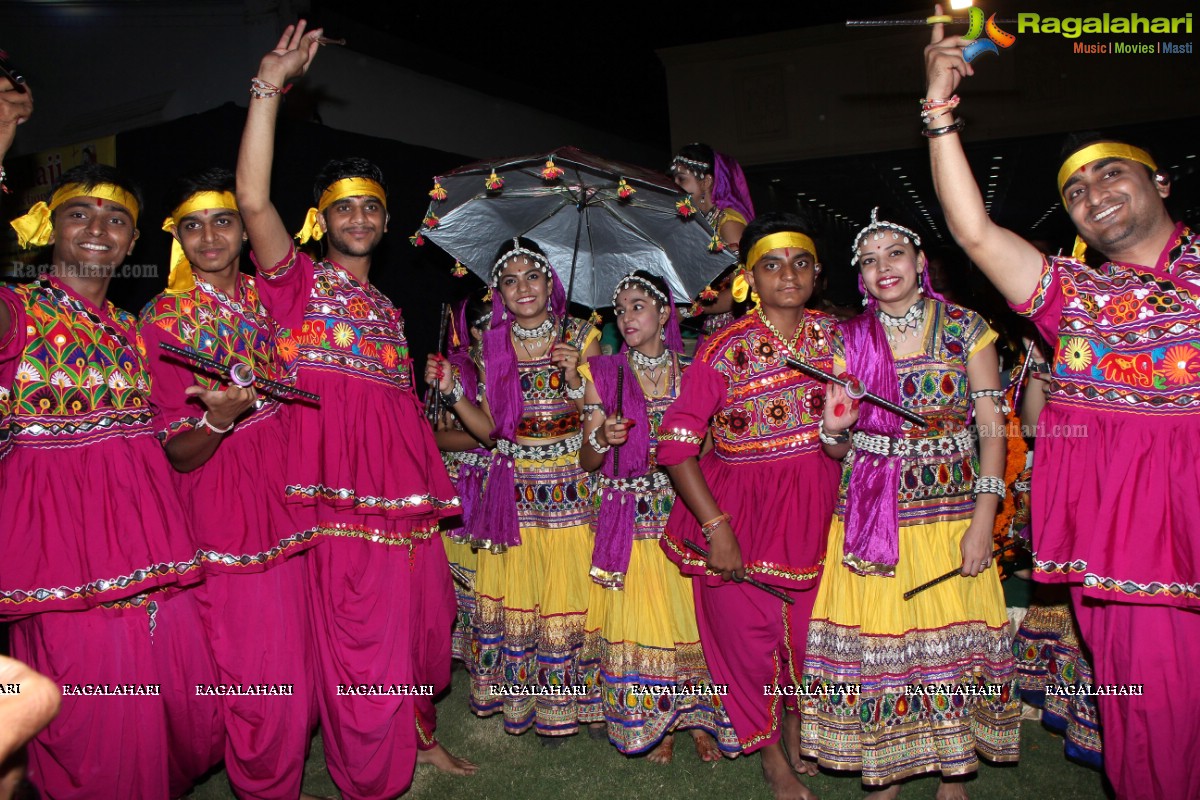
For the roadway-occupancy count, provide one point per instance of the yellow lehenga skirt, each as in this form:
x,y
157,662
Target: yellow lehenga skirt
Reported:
x,y
643,661
927,683
531,602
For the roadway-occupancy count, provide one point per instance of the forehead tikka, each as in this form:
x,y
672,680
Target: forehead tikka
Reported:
x,y
880,229
539,261
637,280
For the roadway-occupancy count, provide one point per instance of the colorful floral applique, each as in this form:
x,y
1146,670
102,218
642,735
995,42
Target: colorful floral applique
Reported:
x,y
1181,364
1077,354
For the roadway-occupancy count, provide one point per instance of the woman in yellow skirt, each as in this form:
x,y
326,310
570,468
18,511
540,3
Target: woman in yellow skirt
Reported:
x,y
642,657
896,687
533,526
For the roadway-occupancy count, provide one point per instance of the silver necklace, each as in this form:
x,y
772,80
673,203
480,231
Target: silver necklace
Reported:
x,y
911,321
540,332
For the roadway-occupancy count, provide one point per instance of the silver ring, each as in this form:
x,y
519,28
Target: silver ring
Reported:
x,y
983,564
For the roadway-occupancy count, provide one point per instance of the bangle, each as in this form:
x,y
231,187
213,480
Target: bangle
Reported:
x,y
213,428
832,438
990,484
710,527
456,393
577,392
595,443
592,408
263,90
953,127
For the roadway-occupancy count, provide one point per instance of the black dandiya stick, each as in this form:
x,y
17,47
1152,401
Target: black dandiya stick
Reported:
x,y
240,375
757,584
434,402
911,593
856,391
620,391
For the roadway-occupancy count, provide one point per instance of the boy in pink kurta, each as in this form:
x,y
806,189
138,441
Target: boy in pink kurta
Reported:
x,y
230,473
95,546
363,467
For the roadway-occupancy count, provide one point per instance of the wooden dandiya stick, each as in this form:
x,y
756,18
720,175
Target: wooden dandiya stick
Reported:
x,y
911,593
757,584
854,389
240,375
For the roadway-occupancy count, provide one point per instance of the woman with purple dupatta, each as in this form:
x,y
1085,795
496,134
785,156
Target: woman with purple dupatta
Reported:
x,y
641,638
717,186
933,676
534,519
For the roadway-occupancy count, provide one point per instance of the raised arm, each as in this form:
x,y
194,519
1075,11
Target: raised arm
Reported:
x,y
1012,264
269,237
15,108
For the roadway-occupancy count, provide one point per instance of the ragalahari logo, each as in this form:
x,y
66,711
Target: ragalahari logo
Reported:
x,y
995,41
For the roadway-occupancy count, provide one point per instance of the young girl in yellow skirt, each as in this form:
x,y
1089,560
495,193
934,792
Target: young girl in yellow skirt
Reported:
x,y
896,687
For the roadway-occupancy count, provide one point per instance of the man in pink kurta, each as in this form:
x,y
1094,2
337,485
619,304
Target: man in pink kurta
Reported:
x,y
95,546
362,465
1114,479
228,445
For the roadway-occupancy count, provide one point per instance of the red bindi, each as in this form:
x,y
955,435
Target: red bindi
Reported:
x,y
206,212
99,202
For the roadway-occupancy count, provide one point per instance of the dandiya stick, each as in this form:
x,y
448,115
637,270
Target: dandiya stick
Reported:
x,y
855,390
757,584
240,375
620,392
911,593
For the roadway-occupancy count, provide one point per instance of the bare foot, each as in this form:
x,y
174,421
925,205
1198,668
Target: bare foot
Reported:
x,y
951,791
706,746
445,761
890,793
780,777
791,746
664,752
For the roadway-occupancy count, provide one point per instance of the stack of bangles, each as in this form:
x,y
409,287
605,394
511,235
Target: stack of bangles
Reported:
x,y
710,527
932,109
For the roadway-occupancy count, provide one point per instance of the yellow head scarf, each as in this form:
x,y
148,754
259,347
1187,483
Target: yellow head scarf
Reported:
x,y
181,279
1094,152
338,190
35,227
795,239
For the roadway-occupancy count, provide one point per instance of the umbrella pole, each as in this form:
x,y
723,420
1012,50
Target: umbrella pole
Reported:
x,y
562,334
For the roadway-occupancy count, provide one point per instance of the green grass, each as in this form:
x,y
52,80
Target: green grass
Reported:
x,y
518,768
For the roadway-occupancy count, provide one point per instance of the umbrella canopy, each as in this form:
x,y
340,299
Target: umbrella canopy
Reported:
x,y
596,219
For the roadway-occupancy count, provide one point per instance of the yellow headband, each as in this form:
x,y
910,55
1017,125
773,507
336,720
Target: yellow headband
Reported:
x,y
741,287
1095,152
34,228
338,190
1085,156
181,279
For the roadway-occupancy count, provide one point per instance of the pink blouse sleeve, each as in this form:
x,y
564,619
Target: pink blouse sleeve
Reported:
x,y
13,343
174,411
285,287
1045,306
684,426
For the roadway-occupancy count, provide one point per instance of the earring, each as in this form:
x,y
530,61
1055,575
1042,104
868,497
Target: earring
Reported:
x,y
864,301
662,334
